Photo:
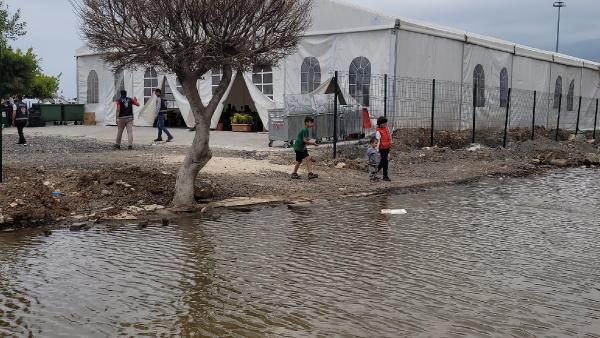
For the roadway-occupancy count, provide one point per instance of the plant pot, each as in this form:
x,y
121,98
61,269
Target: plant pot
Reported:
x,y
220,126
238,127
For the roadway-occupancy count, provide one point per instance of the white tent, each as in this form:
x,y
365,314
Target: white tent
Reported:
x,y
340,35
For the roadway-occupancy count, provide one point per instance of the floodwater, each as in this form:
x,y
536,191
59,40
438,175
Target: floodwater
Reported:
x,y
499,258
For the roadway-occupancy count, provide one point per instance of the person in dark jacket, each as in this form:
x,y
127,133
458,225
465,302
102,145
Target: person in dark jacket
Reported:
x,y
20,117
161,116
125,118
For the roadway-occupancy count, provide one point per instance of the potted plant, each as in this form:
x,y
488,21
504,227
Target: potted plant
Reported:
x,y
241,123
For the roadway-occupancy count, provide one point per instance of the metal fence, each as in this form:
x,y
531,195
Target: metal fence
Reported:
x,y
490,115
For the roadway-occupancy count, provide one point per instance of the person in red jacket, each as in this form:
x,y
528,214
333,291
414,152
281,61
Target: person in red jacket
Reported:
x,y
384,137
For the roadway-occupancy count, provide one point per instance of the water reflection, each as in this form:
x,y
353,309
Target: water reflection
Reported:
x,y
496,259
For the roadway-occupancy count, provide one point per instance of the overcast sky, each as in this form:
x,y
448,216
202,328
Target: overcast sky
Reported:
x,y
52,26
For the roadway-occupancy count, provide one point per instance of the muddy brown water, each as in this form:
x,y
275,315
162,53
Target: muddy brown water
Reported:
x,y
499,258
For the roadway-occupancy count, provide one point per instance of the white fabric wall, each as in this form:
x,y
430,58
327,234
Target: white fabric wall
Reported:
x,y
531,74
428,57
105,108
492,61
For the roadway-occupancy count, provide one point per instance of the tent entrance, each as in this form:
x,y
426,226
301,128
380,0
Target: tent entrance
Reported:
x,y
239,100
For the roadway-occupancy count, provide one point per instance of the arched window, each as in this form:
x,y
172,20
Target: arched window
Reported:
x,y
150,83
570,96
503,88
310,75
479,86
93,92
216,76
557,92
360,79
262,77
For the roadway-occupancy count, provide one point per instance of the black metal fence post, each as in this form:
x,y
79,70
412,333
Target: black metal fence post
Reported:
x,y
1,129
595,120
385,94
507,116
335,114
474,111
533,120
432,112
578,115
558,118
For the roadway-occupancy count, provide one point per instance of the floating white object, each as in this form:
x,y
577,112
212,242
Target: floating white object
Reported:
x,y
394,211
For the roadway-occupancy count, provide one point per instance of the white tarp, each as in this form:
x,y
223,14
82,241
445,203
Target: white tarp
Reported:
x,y
145,116
105,108
428,57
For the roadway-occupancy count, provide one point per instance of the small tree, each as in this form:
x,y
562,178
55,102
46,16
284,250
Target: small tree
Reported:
x,y
189,38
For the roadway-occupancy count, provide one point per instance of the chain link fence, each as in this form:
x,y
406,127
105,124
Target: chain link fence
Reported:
x,y
431,111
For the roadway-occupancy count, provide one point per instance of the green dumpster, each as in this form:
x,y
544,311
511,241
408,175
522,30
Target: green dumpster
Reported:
x,y
51,112
73,112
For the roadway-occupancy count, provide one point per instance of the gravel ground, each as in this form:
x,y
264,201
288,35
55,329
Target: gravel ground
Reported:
x,y
93,182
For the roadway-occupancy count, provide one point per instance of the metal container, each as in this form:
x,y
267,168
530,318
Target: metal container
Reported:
x,y
73,112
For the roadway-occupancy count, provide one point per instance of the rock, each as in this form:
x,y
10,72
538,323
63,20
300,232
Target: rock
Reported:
x,y
165,222
134,209
47,233
559,162
106,192
572,137
536,161
19,201
41,169
340,165
592,159
77,226
13,205
474,147
47,183
592,141
204,210
427,149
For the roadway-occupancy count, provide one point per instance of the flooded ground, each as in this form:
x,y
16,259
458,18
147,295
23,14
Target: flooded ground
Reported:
x,y
516,258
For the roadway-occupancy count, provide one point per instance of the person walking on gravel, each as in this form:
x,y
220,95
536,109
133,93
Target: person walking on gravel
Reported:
x,y
125,118
20,117
302,141
161,116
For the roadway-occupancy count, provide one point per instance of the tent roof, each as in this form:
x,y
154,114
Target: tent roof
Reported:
x,y
340,16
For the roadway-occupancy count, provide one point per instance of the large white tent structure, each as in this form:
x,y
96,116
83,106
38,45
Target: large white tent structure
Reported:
x,y
360,42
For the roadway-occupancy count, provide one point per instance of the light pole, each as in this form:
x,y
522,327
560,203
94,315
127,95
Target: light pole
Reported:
x,y
559,5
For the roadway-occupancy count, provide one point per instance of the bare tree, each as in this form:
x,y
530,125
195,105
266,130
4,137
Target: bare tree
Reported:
x,y
189,38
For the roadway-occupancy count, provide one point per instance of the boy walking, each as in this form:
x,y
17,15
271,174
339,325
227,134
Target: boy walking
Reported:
x,y
385,144
373,156
161,116
125,119
302,141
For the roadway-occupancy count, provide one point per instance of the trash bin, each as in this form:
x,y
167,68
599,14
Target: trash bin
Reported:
x,y
35,117
51,112
73,112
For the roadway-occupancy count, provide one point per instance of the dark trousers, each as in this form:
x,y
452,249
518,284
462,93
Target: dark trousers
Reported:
x,y
20,125
383,163
160,124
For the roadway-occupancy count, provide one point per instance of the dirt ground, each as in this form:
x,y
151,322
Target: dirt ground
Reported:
x,y
58,180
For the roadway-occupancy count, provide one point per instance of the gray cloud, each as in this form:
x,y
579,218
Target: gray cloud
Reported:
x,y
52,26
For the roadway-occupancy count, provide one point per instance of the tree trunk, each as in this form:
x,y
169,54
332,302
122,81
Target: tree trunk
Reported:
x,y
199,153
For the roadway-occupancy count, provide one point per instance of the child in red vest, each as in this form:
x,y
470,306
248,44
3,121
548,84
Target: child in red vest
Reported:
x,y
384,137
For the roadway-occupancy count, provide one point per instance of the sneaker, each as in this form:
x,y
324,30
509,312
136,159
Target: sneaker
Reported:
x,y
117,146
130,147
170,139
387,179
312,176
158,139
295,176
